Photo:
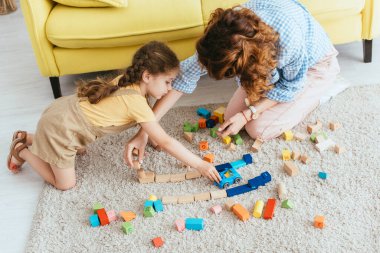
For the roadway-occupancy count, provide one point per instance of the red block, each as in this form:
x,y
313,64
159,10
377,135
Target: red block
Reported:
x,y
103,217
269,209
157,242
202,123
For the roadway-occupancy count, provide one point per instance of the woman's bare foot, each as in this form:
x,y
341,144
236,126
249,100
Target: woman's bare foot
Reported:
x,y
19,142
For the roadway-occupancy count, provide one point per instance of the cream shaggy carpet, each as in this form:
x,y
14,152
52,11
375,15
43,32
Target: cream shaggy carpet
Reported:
x,y
349,198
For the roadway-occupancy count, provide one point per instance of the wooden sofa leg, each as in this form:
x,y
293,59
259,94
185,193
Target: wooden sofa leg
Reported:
x,y
56,87
367,50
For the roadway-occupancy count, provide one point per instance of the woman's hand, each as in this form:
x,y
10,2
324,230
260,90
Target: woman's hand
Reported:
x,y
138,142
209,171
232,125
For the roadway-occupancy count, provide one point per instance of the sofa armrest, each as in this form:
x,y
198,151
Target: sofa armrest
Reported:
x,y
36,13
371,15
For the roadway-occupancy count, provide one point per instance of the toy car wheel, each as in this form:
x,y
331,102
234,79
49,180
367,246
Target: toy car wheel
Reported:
x,y
237,180
225,186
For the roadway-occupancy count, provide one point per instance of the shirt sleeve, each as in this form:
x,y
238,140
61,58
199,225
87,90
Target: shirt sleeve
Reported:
x,y
190,73
139,110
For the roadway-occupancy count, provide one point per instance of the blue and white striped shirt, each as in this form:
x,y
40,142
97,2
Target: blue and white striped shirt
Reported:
x,y
302,43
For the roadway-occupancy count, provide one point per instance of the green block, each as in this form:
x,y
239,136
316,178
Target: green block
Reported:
x,y
149,211
287,204
187,127
213,132
314,135
195,127
237,139
96,207
127,227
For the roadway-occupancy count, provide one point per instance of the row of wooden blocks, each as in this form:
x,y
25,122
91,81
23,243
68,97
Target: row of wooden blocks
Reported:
x,y
194,197
151,177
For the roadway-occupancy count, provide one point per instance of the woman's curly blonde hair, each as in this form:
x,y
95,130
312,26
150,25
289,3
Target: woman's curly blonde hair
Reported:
x,y
236,42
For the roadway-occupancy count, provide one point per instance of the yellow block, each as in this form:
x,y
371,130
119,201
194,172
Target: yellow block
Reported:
x,y
258,209
286,154
288,135
152,197
220,114
227,140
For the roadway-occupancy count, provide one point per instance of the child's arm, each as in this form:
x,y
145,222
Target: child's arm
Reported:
x,y
176,149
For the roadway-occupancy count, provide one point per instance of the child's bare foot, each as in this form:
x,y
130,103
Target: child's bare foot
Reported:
x,y
19,142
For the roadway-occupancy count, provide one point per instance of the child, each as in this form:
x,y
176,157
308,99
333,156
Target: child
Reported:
x,y
99,107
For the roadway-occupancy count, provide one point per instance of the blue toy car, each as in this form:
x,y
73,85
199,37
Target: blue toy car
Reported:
x,y
229,176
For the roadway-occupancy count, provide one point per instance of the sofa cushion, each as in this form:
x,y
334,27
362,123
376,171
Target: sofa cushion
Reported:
x,y
140,22
336,9
94,3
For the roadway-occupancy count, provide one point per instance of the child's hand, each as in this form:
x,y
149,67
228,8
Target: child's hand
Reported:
x,y
209,171
232,125
136,143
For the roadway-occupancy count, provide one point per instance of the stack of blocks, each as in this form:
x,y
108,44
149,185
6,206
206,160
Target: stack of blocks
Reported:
x,y
100,216
152,206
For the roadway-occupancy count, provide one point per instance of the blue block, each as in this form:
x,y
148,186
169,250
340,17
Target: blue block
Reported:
x,y
203,113
323,175
94,220
239,190
248,159
148,203
210,123
194,223
238,164
223,166
158,206
261,180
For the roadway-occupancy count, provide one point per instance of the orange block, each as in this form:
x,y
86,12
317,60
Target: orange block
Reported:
x,y
202,123
127,216
319,221
203,145
209,158
215,118
240,211
157,242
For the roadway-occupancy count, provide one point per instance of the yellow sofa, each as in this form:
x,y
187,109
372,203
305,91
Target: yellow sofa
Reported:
x,y
70,40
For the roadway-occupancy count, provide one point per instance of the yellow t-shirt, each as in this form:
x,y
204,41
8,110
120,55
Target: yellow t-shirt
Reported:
x,y
118,110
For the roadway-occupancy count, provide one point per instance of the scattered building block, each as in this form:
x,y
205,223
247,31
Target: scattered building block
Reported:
x,y
194,127
152,197
103,218
203,145
319,221
231,147
136,164
209,158
149,177
238,164
269,209
256,145
288,135
290,168
241,189
305,159
213,132
227,140
111,215
148,203
185,199
127,227
325,145
248,159
187,127
261,180
229,204
193,174
210,123
188,136
296,155
299,136
163,178
194,223
202,196
282,192
203,112
179,177
339,149
220,114
215,118
202,123
334,126
180,225
141,173
157,205
216,209
322,175
135,152
149,211
169,199
237,139
287,204
218,194
94,220
127,216
314,128
157,242
96,207
240,211
258,209
286,154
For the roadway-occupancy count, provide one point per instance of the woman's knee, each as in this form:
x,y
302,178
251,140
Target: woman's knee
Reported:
x,y
64,186
253,130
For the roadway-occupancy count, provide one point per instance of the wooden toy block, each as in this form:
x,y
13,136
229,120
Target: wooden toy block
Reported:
x,y
305,159
269,209
203,145
157,242
237,139
203,112
238,164
256,145
325,145
187,127
227,140
193,174
241,189
210,123
229,204
202,123
288,135
103,218
185,199
220,114
216,209
94,220
127,215
179,177
323,175
180,225
261,180
213,132
202,196
314,128
282,192
111,215
334,126
127,227
215,118
163,178
209,158
157,205
194,127
141,173
194,223
149,211
135,152
321,136
290,168
148,203
149,177
296,155
218,194
319,221
152,197
299,136
96,207
287,204
231,147
248,159
188,136
136,165
286,154
169,199
240,211
258,209
338,149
